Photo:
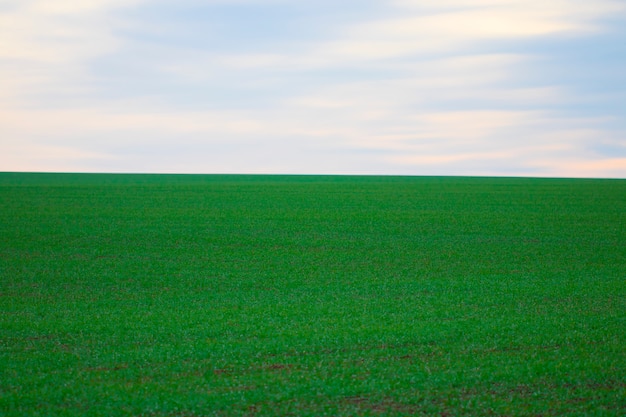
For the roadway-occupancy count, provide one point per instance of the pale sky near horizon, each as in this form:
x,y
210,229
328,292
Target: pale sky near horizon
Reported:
x,y
408,87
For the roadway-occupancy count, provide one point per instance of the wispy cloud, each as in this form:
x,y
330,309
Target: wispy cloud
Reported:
x,y
402,86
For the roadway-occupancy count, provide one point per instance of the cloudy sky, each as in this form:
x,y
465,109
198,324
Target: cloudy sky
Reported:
x,y
411,87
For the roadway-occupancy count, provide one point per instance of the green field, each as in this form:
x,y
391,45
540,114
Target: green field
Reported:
x,y
191,295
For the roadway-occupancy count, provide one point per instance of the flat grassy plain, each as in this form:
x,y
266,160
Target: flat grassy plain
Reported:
x,y
191,295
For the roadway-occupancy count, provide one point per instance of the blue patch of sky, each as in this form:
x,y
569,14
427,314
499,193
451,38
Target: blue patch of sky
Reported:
x,y
589,68
214,27
613,150
232,27
593,67
159,33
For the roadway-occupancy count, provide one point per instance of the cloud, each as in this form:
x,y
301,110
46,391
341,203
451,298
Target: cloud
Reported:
x,y
415,88
444,27
56,31
45,46
582,167
25,156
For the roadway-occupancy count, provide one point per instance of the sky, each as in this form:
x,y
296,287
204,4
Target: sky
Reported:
x,y
371,87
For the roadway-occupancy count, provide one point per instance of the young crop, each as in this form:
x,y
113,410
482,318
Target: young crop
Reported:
x,y
192,295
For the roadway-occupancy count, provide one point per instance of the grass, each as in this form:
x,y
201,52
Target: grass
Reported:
x,y
185,295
